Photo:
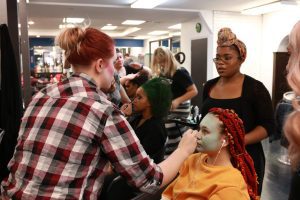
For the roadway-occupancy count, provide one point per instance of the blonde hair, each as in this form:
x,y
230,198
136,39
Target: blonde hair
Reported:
x,y
164,62
70,39
292,125
293,66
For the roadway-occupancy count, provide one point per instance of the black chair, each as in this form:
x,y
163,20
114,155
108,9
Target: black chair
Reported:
x,y
115,187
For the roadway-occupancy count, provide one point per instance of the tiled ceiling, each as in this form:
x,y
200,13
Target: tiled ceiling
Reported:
x,y
48,14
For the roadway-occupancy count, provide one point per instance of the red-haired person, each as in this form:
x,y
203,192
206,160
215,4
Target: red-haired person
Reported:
x,y
292,125
222,170
70,132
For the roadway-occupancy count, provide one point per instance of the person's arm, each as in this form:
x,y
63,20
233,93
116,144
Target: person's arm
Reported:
x,y
264,116
172,164
127,77
124,98
123,149
191,91
256,135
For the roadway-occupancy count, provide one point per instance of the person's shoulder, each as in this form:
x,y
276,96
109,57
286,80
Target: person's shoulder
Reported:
x,y
251,80
211,82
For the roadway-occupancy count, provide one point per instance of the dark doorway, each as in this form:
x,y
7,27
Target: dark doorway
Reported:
x,y
280,85
199,67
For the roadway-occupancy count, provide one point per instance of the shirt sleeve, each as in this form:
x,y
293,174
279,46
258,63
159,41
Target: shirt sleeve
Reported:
x,y
263,108
183,77
230,193
123,149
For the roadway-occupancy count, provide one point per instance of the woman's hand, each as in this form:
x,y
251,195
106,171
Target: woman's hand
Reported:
x,y
175,104
127,109
188,141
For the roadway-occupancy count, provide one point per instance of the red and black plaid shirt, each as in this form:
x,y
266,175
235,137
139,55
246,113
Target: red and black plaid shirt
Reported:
x,y
68,135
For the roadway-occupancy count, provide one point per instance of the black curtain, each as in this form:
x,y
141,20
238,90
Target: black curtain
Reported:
x,y
10,100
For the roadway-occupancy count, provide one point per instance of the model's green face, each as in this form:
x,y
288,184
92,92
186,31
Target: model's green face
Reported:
x,y
209,138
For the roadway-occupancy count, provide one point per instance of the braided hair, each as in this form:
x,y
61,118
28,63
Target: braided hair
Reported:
x,y
234,130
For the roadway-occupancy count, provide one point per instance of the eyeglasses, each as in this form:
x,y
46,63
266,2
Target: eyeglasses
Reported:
x,y
225,59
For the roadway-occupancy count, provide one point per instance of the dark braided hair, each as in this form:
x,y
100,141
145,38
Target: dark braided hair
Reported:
x,y
234,130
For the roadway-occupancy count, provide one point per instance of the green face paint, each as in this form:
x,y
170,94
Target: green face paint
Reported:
x,y
209,135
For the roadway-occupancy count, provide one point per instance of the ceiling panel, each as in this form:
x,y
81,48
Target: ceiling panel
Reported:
x,y
48,14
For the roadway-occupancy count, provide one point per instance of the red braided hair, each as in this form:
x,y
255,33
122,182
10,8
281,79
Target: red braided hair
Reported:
x,y
233,128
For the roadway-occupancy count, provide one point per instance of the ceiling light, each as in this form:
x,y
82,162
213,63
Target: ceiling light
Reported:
x,y
73,20
108,28
38,36
62,26
142,37
130,30
133,22
108,24
30,22
176,26
271,7
147,4
175,34
158,32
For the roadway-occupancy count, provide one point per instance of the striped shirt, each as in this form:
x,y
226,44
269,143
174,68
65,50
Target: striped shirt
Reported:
x,y
69,134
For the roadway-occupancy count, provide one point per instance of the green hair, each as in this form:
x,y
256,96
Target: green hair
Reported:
x,y
159,94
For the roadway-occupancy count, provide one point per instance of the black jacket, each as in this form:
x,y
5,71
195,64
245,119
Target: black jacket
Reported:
x,y
10,100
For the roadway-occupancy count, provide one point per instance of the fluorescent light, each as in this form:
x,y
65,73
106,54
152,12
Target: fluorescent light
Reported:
x,y
124,33
73,20
175,34
18,1
62,26
271,7
109,28
109,24
147,4
130,30
142,37
133,22
158,32
30,22
176,26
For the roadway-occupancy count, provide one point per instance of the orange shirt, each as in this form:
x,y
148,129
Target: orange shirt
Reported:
x,y
201,181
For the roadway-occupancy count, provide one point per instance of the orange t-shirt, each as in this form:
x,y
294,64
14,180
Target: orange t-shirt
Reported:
x,y
201,181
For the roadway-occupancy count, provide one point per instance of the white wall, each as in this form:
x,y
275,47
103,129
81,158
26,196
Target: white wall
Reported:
x,y
263,35
248,30
276,26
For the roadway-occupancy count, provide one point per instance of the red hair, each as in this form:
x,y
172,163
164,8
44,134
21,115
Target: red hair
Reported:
x,y
82,46
234,130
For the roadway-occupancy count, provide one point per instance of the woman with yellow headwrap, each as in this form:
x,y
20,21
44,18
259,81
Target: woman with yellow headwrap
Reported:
x,y
247,96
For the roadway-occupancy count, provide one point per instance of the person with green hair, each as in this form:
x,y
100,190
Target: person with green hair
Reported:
x,y
152,103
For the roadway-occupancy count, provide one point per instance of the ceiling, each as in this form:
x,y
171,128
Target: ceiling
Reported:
x,y
48,14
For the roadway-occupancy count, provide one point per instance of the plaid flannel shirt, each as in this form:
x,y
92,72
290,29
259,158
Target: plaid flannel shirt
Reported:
x,y
68,135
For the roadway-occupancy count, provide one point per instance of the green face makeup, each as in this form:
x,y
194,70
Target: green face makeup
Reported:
x,y
209,135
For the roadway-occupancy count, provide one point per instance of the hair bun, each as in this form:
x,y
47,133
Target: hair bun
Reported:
x,y
226,37
70,39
